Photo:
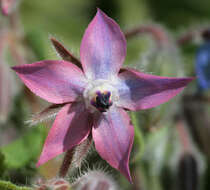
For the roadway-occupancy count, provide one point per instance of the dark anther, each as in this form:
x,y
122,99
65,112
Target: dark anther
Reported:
x,y
102,101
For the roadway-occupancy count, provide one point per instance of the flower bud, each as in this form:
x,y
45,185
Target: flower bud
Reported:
x,y
94,180
54,184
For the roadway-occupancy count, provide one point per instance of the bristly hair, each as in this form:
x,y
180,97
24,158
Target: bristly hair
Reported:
x,y
81,151
64,53
95,179
45,115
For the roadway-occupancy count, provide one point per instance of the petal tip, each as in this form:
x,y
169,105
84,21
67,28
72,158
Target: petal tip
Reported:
x,y
17,67
99,11
14,68
192,78
101,15
188,80
38,164
128,175
42,159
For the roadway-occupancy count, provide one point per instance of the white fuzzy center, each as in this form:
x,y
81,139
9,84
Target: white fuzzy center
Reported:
x,y
101,86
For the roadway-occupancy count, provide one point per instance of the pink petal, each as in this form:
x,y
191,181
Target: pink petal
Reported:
x,y
113,137
55,81
103,47
72,126
142,91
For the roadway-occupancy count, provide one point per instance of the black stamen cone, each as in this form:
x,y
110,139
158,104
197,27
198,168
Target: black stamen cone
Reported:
x,y
102,101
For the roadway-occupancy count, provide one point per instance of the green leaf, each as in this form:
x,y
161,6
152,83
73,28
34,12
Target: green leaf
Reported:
x,y
6,185
25,149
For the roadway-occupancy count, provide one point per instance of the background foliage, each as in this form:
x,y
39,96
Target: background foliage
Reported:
x,y
171,147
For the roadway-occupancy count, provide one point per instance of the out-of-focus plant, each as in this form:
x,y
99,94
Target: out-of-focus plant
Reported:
x,y
203,63
11,52
8,6
160,159
6,185
6,81
195,105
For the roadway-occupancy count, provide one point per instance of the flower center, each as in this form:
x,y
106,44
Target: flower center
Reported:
x,y
100,95
102,101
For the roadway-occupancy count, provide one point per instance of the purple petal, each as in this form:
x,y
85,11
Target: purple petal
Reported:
x,y
55,81
113,137
67,131
142,91
103,47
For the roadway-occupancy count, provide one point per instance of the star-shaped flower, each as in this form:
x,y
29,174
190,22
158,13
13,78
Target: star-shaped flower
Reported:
x,y
97,96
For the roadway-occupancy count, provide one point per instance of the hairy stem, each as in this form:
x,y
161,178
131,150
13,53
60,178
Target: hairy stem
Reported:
x,y
190,35
157,32
64,53
66,163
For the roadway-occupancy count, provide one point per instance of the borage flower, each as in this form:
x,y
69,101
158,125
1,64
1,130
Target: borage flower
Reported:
x,y
97,96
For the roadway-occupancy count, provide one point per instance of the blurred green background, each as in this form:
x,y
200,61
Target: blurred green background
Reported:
x,y
171,141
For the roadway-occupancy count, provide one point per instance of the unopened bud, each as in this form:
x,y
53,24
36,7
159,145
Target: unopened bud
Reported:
x,y
54,184
95,180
